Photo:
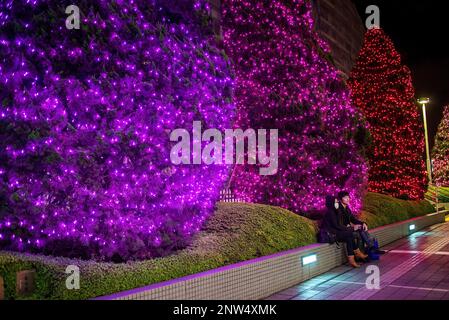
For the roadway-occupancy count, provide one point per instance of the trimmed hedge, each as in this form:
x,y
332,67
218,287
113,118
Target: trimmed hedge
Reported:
x,y
235,233
443,194
381,210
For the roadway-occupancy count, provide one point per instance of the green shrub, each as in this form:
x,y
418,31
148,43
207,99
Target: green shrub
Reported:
x,y
235,233
47,274
443,194
380,210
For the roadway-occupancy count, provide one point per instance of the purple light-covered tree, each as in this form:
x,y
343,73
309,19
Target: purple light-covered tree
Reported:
x,y
284,82
85,121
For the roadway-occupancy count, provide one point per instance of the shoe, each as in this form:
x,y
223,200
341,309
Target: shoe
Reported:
x,y
359,254
381,252
352,263
359,260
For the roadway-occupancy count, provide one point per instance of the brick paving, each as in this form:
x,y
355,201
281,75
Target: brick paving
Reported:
x,y
415,268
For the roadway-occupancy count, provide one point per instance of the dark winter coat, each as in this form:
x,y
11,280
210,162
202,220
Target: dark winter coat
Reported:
x,y
337,221
347,217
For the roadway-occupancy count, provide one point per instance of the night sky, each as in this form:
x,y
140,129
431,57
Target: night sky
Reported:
x,y
420,31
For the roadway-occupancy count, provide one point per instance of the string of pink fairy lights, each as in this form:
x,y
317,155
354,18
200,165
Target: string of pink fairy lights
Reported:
x,y
283,82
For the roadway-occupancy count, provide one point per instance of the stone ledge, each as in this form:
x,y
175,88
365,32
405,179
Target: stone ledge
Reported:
x,y
262,277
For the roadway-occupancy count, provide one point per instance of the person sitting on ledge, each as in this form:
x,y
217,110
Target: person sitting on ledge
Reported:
x,y
335,223
367,241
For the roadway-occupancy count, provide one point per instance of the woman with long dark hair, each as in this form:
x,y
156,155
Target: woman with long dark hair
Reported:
x,y
334,224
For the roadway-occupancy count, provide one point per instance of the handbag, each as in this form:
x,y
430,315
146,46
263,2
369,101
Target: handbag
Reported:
x,y
368,239
327,237
372,245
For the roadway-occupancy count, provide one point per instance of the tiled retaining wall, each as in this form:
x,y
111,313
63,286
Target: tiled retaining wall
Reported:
x,y
262,277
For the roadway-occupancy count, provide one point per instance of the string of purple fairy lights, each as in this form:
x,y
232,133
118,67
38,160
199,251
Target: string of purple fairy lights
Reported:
x,y
85,122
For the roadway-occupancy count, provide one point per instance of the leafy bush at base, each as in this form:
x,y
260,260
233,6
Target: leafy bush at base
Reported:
x,y
381,210
235,233
443,193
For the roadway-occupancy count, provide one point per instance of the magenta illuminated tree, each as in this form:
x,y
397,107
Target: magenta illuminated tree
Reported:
x,y
85,121
284,82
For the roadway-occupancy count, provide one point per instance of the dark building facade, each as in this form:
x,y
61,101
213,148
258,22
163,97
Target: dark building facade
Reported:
x,y
337,22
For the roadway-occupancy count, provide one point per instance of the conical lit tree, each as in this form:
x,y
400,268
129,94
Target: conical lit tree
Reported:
x,y
284,82
441,152
382,89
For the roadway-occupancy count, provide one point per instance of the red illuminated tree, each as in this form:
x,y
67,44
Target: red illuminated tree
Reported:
x,y
441,152
382,89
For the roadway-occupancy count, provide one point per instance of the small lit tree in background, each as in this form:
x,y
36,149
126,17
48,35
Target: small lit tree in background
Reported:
x,y
440,153
284,82
382,89
85,124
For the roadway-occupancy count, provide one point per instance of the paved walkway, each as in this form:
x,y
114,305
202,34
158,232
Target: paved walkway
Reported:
x,y
415,268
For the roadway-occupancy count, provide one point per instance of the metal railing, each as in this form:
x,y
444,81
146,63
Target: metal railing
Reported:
x,y
226,195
